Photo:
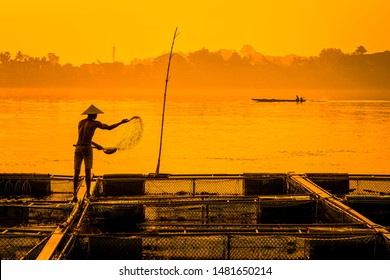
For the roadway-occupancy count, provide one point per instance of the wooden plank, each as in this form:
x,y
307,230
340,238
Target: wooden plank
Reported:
x,y
55,239
59,233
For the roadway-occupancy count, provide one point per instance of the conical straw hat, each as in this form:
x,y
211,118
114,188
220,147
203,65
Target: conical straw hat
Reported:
x,y
92,110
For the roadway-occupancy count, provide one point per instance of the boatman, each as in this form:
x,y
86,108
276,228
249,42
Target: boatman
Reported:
x,y
84,145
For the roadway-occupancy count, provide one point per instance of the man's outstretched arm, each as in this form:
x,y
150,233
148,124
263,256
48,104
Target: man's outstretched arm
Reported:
x,y
110,127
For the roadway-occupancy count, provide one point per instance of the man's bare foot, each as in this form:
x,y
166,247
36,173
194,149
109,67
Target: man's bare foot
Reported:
x,y
88,195
74,199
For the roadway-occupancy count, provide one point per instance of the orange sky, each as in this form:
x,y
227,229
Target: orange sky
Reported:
x,y
86,31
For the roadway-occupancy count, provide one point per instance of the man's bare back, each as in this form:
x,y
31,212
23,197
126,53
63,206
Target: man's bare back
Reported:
x,y
87,129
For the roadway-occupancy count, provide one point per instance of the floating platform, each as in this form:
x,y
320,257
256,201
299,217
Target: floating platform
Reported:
x,y
197,216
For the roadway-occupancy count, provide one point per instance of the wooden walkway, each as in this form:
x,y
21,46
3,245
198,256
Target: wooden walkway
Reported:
x,y
57,236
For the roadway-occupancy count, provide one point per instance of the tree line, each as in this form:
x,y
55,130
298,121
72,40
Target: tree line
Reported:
x,y
246,68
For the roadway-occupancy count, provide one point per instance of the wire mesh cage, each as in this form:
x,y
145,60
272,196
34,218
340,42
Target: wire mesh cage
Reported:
x,y
341,184
370,185
21,245
32,206
228,246
24,184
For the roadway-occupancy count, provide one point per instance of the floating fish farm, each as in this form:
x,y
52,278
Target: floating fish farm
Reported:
x,y
250,216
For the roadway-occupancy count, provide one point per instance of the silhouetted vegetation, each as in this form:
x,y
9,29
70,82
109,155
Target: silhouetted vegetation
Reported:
x,y
246,68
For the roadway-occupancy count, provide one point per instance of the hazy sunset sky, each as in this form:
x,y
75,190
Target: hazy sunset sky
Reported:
x,y
84,31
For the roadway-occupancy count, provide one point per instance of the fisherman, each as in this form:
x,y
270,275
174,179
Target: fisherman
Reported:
x,y
84,145
297,98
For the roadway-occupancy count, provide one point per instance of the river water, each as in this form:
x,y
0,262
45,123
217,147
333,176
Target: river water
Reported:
x,y
204,132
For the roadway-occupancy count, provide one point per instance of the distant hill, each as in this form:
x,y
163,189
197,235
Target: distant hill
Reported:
x,y
246,69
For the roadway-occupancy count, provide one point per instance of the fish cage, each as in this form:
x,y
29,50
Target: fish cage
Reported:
x,y
32,206
24,184
367,194
189,184
219,216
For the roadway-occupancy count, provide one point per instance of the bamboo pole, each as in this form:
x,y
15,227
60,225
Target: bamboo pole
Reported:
x,y
165,97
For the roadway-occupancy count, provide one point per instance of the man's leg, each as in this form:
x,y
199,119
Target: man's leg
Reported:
x,y
88,181
88,160
75,184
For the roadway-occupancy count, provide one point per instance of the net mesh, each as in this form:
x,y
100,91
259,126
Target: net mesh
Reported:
x,y
226,246
15,246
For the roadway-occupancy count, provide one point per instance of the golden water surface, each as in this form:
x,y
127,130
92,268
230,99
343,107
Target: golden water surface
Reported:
x,y
211,132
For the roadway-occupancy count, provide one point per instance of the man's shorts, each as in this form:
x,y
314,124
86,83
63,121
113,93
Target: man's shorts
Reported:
x,y
83,153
